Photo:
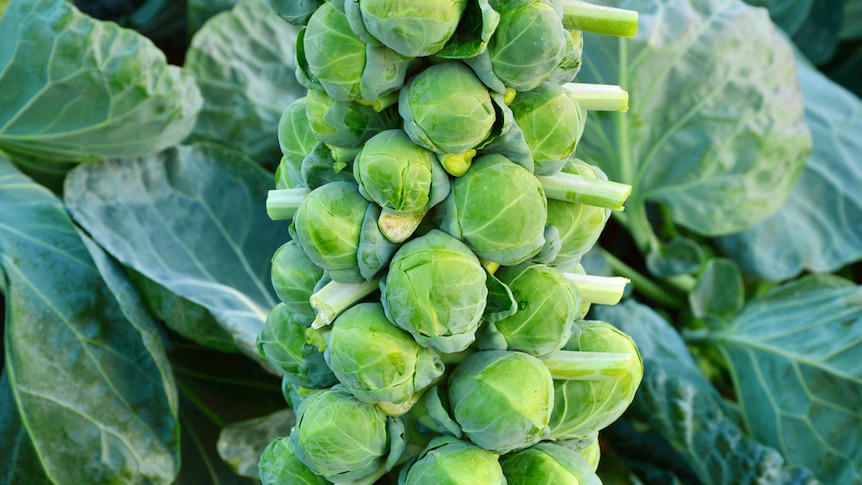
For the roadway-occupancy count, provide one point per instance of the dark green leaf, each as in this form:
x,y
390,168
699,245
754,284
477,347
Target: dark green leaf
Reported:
x,y
719,291
194,220
21,464
820,227
185,317
93,100
818,36
787,14
678,256
216,389
715,127
678,401
241,444
76,338
851,28
794,357
199,11
243,60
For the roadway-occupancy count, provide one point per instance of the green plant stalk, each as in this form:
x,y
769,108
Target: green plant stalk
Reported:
x,y
336,297
642,284
281,204
574,188
598,19
573,365
599,97
604,290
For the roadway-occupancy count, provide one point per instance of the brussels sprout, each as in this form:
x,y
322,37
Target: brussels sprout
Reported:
x,y
278,465
498,209
327,226
579,225
548,463
548,306
582,407
502,399
283,343
375,249
294,277
586,446
435,289
296,141
451,122
412,28
401,177
340,437
450,461
570,66
528,44
345,124
552,123
377,361
339,60
296,12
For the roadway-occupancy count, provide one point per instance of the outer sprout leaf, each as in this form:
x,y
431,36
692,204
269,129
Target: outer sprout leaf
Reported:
x,y
192,219
92,100
715,126
820,227
243,60
793,354
676,399
76,334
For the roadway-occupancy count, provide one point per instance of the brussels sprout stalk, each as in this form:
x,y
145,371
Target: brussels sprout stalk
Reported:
x,y
569,365
598,19
336,297
396,227
604,290
599,97
575,188
281,204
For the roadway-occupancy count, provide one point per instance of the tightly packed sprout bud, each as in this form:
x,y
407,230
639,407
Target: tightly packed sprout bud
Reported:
x,y
430,324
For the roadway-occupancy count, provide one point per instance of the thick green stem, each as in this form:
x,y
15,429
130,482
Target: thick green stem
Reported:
x,y
574,188
598,19
604,290
588,366
642,284
599,97
336,297
281,204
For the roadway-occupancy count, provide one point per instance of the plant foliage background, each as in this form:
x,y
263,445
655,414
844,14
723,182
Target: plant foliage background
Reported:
x,y
137,140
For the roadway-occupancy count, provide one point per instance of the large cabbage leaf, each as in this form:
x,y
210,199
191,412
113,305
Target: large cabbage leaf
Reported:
x,y
73,88
193,219
84,360
715,130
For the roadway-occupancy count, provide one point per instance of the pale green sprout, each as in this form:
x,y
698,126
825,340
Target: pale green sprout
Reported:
x,y
548,463
411,28
279,465
345,124
378,362
296,141
294,277
435,289
449,461
448,110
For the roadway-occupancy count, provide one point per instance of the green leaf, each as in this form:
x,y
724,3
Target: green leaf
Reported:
x,y
22,464
241,444
243,60
820,227
199,11
185,317
787,14
819,35
76,337
719,291
851,28
110,94
715,126
193,219
216,389
794,358
678,401
678,256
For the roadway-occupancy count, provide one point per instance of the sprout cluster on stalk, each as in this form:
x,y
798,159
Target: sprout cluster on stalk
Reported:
x,y
433,318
